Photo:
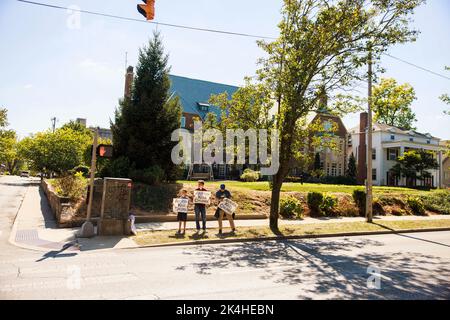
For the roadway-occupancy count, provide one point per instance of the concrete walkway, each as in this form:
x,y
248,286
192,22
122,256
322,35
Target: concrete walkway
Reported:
x,y
153,226
35,228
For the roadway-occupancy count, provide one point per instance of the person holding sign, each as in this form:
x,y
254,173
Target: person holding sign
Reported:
x,y
200,207
220,195
182,215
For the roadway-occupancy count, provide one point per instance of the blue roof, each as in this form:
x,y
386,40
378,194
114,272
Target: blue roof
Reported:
x,y
193,91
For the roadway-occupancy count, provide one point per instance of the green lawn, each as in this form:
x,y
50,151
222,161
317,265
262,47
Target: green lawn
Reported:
x,y
169,236
307,187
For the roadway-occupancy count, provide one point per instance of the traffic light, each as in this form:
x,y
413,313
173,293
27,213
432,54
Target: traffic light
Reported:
x,y
147,9
104,151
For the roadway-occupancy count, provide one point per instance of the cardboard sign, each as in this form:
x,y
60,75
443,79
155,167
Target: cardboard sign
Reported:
x,y
228,206
180,205
202,197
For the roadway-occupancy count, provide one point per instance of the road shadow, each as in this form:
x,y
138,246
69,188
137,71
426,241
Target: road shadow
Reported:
x,y
59,253
335,269
410,236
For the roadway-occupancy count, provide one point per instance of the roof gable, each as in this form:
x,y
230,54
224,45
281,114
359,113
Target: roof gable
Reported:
x,y
195,93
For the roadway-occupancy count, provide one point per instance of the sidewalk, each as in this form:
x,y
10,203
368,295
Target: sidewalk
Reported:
x,y
154,226
35,228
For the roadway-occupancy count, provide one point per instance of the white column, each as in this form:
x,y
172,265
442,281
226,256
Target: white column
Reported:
x,y
440,185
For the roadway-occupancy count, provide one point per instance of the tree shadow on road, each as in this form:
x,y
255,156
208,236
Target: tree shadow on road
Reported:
x,y
333,268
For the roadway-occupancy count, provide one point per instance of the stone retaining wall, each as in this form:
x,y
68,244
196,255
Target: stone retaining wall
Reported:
x,y
60,205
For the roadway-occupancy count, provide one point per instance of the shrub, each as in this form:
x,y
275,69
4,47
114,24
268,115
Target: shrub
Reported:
x,y
250,175
359,196
328,205
416,205
315,200
290,207
438,202
119,167
293,179
377,206
152,175
71,186
83,169
337,180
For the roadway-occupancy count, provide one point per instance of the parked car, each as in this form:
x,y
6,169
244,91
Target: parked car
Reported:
x,y
25,174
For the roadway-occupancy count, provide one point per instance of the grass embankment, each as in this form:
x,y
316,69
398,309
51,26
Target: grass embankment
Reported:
x,y
162,237
306,187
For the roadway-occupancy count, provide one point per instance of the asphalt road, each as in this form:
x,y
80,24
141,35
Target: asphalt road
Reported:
x,y
407,266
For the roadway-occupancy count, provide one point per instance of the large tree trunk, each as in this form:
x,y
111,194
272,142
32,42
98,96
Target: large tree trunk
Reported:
x,y
275,204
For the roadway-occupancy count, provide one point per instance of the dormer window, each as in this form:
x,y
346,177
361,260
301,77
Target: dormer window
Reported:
x,y
203,106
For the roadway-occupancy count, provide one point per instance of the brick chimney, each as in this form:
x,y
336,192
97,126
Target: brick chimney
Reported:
x,y
362,149
128,82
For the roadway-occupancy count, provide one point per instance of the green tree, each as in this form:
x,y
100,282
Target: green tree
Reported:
x,y
56,152
351,167
415,164
392,103
8,145
321,48
8,151
143,124
3,118
76,126
317,165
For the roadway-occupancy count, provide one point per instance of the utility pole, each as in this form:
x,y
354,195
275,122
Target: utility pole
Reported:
x,y
53,124
369,142
87,229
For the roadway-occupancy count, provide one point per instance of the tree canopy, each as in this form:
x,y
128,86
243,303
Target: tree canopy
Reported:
x,y
323,47
414,164
392,104
143,124
57,152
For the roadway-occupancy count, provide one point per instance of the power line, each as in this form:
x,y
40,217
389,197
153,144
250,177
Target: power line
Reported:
x,y
144,21
203,30
416,66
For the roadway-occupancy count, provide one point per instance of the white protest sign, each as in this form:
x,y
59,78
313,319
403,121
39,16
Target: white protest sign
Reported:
x,y
202,197
180,205
228,206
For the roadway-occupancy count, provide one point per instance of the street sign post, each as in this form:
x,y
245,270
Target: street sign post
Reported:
x,y
87,229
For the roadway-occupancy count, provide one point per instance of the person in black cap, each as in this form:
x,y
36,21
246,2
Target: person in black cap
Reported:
x,y
220,195
200,208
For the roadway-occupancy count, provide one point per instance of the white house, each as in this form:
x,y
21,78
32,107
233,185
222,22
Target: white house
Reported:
x,y
388,143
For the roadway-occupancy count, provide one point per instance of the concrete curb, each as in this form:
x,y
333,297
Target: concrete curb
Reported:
x,y
191,217
13,233
325,235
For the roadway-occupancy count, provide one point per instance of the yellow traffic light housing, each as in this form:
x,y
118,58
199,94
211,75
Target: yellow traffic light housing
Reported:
x,y
147,9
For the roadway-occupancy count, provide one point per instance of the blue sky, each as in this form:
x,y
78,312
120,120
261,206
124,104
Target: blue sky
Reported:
x,y
50,70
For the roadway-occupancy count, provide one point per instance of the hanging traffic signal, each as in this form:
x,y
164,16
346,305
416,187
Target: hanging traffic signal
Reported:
x,y
147,9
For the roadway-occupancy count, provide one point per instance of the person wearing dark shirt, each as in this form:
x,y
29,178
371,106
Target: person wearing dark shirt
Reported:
x,y
220,195
200,208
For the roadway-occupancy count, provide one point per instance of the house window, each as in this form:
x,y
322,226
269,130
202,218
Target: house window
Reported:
x,y
428,141
374,154
374,174
392,137
411,139
183,122
333,169
392,154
